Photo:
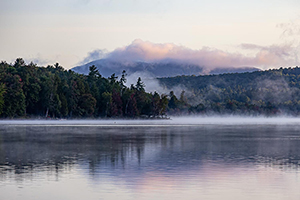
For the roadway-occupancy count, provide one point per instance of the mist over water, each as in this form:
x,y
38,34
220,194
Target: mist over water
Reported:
x,y
237,120
173,121
183,158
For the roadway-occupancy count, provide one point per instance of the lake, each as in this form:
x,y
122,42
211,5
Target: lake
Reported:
x,y
183,158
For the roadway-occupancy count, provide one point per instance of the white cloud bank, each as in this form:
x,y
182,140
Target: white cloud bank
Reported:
x,y
264,57
273,56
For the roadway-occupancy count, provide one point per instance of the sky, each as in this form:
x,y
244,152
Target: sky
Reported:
x,y
213,33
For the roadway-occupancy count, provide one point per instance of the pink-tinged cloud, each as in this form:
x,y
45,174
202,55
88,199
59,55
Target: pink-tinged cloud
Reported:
x,y
209,58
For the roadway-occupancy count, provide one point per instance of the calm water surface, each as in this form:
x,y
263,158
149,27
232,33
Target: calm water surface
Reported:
x,y
134,160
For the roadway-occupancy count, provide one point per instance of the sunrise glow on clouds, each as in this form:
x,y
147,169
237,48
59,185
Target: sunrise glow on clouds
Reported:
x,y
265,57
234,33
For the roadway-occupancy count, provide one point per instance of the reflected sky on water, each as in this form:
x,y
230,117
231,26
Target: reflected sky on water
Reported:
x,y
146,162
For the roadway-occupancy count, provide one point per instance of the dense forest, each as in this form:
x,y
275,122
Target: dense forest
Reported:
x,y
29,91
52,91
270,92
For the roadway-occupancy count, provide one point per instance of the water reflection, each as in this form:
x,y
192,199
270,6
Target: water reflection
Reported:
x,y
142,162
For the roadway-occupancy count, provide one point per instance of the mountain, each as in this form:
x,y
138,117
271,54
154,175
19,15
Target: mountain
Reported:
x,y
168,68
273,78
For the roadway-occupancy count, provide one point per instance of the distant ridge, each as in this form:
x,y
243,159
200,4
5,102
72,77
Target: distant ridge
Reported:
x,y
277,79
168,68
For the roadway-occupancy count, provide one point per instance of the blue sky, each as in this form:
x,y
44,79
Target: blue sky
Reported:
x,y
67,31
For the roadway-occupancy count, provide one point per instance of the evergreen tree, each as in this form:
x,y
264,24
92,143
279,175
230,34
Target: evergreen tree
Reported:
x,y
2,92
140,85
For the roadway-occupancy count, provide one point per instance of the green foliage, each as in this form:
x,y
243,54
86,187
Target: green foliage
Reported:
x,y
28,91
267,92
31,91
174,102
2,91
14,98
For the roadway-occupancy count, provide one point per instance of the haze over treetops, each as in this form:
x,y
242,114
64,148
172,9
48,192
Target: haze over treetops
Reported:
x,y
27,90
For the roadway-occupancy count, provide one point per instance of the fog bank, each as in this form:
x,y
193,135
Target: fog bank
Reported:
x,y
174,121
206,57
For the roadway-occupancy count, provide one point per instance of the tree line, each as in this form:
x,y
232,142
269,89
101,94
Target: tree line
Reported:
x,y
27,90
269,92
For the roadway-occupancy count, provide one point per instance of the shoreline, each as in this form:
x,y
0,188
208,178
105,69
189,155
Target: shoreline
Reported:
x,y
172,121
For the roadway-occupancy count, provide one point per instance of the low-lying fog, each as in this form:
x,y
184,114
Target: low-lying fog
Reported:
x,y
173,121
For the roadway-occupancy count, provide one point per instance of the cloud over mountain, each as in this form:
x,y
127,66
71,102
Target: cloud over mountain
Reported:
x,y
151,60
94,55
207,58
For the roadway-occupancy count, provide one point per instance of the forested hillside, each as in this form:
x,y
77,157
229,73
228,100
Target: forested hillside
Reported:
x,y
27,90
270,92
32,91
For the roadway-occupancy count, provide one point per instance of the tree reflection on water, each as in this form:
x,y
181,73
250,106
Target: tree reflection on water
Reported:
x,y
27,150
